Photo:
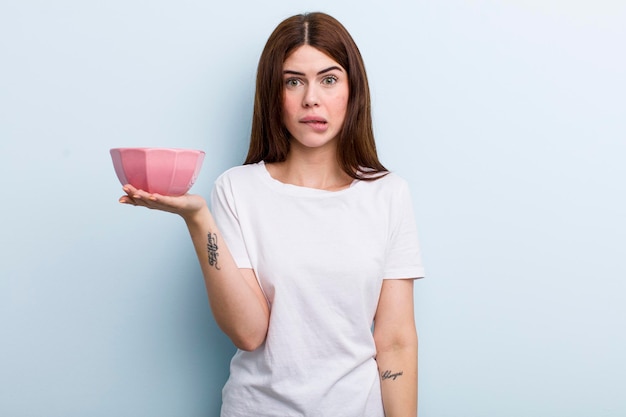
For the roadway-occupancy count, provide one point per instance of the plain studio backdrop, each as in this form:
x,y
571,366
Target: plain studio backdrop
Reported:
x,y
506,117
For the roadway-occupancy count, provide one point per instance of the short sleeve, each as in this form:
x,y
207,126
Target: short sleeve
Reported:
x,y
224,210
403,256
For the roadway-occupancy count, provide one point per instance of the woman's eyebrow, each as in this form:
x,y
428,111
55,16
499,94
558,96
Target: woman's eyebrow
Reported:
x,y
293,72
334,67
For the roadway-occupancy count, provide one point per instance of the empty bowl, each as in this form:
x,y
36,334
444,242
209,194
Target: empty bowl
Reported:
x,y
165,171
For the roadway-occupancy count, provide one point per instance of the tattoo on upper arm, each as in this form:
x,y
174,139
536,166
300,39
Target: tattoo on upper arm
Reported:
x,y
390,375
212,249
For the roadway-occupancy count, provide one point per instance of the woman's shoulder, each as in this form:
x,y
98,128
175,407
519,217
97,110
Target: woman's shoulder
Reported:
x,y
239,173
388,180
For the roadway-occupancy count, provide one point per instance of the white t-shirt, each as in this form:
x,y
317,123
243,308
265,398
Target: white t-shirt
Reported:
x,y
320,258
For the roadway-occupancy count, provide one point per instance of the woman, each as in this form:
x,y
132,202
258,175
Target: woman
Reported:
x,y
310,242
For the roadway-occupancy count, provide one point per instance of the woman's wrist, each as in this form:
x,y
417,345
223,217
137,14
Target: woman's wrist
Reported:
x,y
197,216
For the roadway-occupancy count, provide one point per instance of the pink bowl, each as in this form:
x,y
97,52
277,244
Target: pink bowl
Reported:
x,y
165,171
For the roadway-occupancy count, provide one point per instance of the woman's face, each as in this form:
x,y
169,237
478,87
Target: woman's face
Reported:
x,y
315,97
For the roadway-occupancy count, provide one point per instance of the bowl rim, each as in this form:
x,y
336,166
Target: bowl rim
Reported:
x,y
153,148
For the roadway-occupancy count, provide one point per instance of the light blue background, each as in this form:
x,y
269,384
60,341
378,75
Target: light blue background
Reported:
x,y
507,117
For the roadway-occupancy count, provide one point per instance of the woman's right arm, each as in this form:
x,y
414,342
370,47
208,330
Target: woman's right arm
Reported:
x,y
237,302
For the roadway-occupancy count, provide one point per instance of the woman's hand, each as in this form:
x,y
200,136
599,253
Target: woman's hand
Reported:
x,y
185,205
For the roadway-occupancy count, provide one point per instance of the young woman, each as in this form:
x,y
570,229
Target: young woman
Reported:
x,y
310,243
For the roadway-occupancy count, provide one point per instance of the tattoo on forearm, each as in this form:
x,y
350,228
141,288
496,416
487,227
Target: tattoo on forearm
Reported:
x,y
389,375
212,249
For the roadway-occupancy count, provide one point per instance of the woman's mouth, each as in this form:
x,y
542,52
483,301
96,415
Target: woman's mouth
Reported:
x,y
317,124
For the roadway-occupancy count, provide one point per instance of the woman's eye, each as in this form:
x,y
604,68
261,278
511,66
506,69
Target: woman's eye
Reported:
x,y
292,82
330,80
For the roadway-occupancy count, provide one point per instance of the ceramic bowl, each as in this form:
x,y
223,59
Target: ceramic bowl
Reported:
x,y
165,171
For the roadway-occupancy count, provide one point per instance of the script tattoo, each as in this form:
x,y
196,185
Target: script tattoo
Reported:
x,y
212,249
388,375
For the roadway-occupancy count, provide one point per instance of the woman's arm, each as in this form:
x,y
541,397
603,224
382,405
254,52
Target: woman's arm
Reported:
x,y
396,346
236,299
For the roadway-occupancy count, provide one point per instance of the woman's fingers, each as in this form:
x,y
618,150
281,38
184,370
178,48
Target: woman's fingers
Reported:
x,y
129,189
138,197
126,200
186,205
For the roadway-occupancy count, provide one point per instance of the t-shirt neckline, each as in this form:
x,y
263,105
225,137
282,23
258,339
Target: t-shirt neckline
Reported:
x,y
298,189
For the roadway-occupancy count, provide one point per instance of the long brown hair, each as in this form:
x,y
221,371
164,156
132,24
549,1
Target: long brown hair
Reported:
x,y
269,139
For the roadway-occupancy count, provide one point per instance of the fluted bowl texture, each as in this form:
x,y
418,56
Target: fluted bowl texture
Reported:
x,y
165,171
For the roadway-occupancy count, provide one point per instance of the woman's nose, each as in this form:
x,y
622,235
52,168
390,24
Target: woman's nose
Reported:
x,y
310,98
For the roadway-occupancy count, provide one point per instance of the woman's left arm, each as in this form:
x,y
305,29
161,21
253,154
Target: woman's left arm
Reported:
x,y
396,345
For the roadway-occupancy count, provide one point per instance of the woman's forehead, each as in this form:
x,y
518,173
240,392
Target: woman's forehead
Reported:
x,y
309,57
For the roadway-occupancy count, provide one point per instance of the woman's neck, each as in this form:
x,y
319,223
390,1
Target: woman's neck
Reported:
x,y
313,169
